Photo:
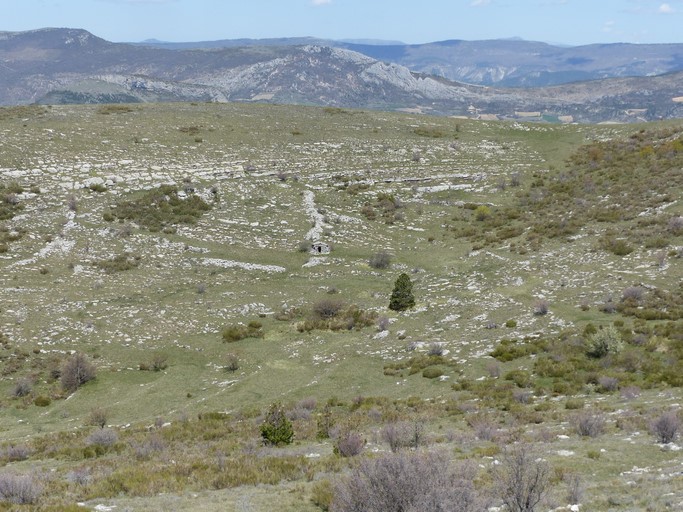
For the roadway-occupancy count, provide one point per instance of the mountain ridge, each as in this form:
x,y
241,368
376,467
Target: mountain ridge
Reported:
x,y
74,66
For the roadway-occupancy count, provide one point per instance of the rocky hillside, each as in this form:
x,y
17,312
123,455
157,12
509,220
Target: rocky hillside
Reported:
x,y
512,63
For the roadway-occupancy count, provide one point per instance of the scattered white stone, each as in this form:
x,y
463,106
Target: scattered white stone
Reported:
x,y
239,264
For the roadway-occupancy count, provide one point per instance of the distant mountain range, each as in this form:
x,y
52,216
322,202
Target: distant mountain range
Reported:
x,y
73,66
500,62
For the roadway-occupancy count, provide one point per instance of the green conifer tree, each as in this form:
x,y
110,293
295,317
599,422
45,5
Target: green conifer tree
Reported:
x,y
402,297
276,428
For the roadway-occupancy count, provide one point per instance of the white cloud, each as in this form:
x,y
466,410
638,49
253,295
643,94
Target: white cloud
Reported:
x,y
608,26
480,3
320,2
666,9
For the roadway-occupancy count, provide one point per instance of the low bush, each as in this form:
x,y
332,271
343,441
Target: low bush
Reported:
x,y
239,332
618,247
509,350
22,388
103,437
97,418
408,481
573,404
380,260
665,427
161,208
15,453
119,263
435,349
19,489
589,425
349,444
608,384
521,378
399,435
232,362
115,109
605,341
522,479
322,494
541,307
328,308
430,131
76,371
345,319
42,401
432,373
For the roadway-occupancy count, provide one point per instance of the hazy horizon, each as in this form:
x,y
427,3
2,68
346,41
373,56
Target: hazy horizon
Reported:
x,y
565,22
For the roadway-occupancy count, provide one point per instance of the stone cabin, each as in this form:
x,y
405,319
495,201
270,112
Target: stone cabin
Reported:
x,y
320,248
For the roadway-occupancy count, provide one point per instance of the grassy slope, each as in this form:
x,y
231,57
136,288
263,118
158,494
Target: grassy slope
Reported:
x,y
122,319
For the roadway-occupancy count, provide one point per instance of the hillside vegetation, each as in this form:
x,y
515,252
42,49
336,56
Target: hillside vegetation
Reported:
x,y
168,340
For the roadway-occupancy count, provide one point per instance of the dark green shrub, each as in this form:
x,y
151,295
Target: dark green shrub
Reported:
x,y
573,404
431,132
322,494
239,332
618,247
508,350
161,209
589,330
42,401
432,373
115,109
98,187
119,263
482,212
276,429
520,377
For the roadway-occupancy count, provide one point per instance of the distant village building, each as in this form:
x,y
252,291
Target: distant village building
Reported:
x,y
320,248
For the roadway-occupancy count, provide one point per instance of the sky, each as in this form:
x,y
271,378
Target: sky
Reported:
x,y
571,22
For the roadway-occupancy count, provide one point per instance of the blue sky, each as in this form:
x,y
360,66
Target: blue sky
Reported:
x,y
557,21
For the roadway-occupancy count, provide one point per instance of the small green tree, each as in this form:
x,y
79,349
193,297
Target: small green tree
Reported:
x,y
276,428
402,297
